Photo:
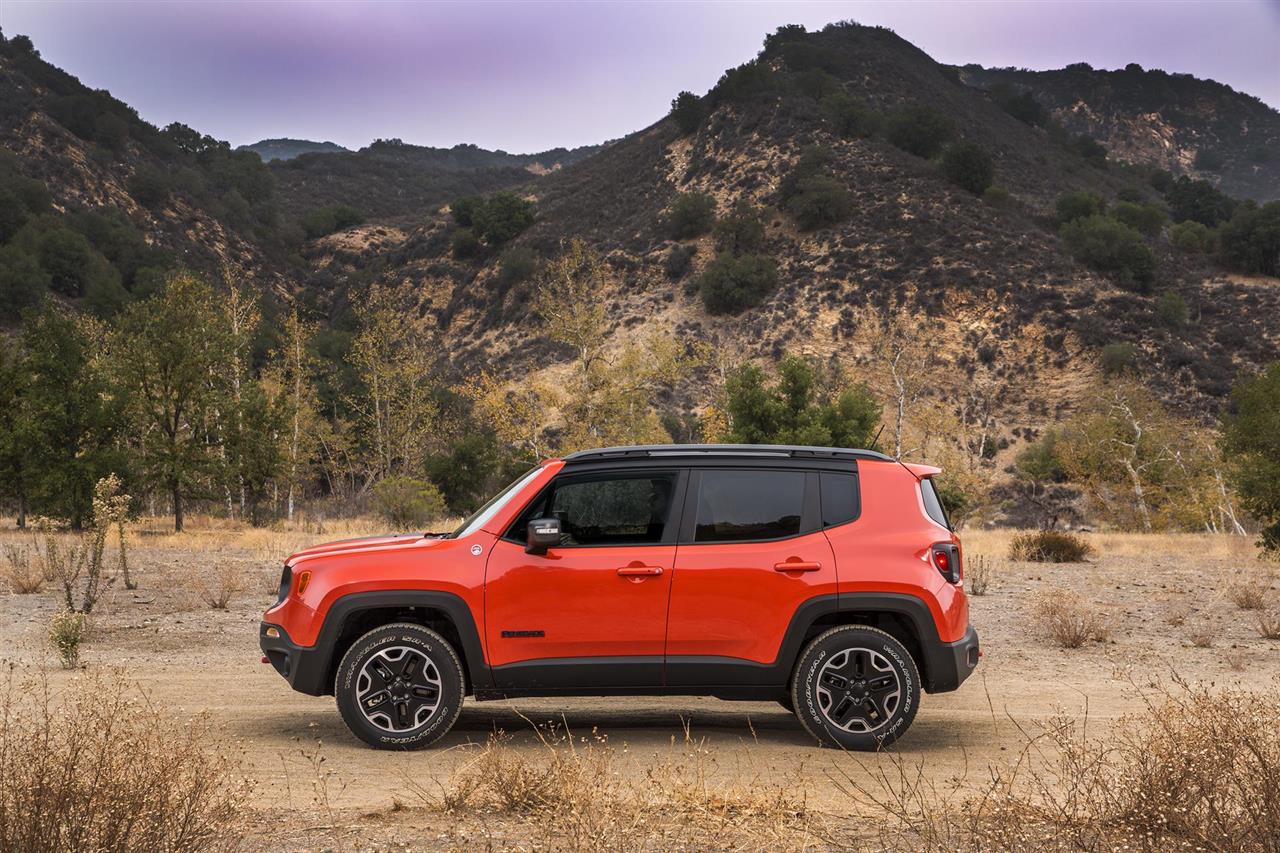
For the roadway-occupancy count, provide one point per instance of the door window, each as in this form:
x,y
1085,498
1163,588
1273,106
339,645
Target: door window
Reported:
x,y
737,506
839,498
616,510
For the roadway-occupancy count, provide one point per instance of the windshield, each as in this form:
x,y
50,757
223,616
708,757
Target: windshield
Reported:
x,y
481,516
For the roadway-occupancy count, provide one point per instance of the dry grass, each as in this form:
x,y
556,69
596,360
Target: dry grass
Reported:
x,y
23,574
99,769
1249,592
573,795
1201,638
1069,620
1269,624
217,586
1196,770
979,571
1050,546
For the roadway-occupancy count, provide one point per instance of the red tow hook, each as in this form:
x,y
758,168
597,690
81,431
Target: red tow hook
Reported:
x,y
265,660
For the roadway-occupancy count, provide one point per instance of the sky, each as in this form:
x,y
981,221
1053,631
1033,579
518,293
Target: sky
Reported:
x,y
529,76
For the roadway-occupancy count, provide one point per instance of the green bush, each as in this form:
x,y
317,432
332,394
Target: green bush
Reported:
x,y
730,285
919,129
678,259
1049,546
741,232
686,109
1250,241
1090,150
996,196
1112,247
465,244
408,503
1192,237
1149,219
969,167
1117,359
692,215
22,282
1199,201
518,264
819,200
1021,105
1172,310
327,220
502,217
847,116
801,407
149,186
463,210
1078,205
1251,443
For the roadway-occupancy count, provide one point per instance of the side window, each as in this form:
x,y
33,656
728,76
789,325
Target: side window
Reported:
x,y
933,502
839,498
620,510
743,505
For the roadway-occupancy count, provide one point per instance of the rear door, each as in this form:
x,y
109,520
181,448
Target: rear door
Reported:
x,y
592,611
751,552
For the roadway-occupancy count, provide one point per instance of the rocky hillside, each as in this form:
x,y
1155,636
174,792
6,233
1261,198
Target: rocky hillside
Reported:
x,y
1177,122
287,149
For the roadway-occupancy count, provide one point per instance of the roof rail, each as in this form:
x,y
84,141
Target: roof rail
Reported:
x,y
757,450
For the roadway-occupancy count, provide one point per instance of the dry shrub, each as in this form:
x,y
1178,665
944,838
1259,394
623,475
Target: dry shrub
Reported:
x,y
66,632
217,587
1250,593
1269,625
1196,770
1177,618
1069,620
1201,638
100,769
23,574
1049,546
979,571
572,796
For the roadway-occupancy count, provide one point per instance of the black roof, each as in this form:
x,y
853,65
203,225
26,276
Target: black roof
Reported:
x,y
771,451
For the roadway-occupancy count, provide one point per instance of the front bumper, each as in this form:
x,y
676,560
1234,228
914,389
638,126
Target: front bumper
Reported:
x,y
949,664
305,668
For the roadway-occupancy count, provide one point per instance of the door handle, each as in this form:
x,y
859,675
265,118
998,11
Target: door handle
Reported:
x,y
640,571
796,566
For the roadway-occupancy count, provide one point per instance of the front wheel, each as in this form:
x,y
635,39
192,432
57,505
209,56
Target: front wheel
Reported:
x,y
856,687
400,686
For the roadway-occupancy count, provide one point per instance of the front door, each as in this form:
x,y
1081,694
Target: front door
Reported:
x,y
752,552
592,611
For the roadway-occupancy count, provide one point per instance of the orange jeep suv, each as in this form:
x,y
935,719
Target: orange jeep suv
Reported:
x,y
825,579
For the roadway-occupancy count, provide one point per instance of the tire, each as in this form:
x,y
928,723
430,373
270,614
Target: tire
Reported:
x,y
400,686
856,687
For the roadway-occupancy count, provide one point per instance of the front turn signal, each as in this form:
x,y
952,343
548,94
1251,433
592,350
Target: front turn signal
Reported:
x,y
304,578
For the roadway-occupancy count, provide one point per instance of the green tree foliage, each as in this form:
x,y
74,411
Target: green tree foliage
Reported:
x,y
692,215
1250,240
1208,160
465,244
408,503
686,109
847,116
16,430
1112,247
1090,150
1149,219
71,420
502,217
1077,205
1118,359
23,282
255,449
519,263
810,193
1039,474
749,83
1172,310
168,353
969,167
1192,238
741,232
1198,201
327,220
919,129
798,408
730,285
1251,441
1022,105
149,185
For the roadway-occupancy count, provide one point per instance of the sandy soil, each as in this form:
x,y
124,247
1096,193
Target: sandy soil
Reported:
x,y
1157,593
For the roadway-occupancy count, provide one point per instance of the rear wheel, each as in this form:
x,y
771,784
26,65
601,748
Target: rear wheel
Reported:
x,y
856,687
400,686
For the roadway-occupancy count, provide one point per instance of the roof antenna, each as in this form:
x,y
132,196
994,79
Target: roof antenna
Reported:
x,y
876,440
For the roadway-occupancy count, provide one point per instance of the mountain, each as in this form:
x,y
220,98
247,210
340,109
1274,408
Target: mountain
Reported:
x,y
287,149
1177,122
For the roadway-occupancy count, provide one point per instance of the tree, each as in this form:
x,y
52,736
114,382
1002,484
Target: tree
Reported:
x,y
169,353
687,111
1150,219
1078,205
800,407
72,424
919,129
22,281
730,285
740,232
293,374
969,167
256,452
15,430
1110,246
392,358
241,318
407,502
692,215
847,116
1250,240
1198,201
819,201
502,217
1041,480
569,301
517,412
903,360
1251,441
327,220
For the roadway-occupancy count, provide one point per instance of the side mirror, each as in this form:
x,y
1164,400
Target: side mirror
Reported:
x,y
544,533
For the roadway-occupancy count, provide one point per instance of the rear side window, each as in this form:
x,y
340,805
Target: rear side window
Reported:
x,y
839,498
734,506
933,503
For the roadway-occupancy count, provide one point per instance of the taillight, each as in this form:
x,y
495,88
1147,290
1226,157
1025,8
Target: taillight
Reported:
x,y
946,559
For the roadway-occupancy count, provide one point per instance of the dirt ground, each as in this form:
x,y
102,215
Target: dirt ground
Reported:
x,y
1167,600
